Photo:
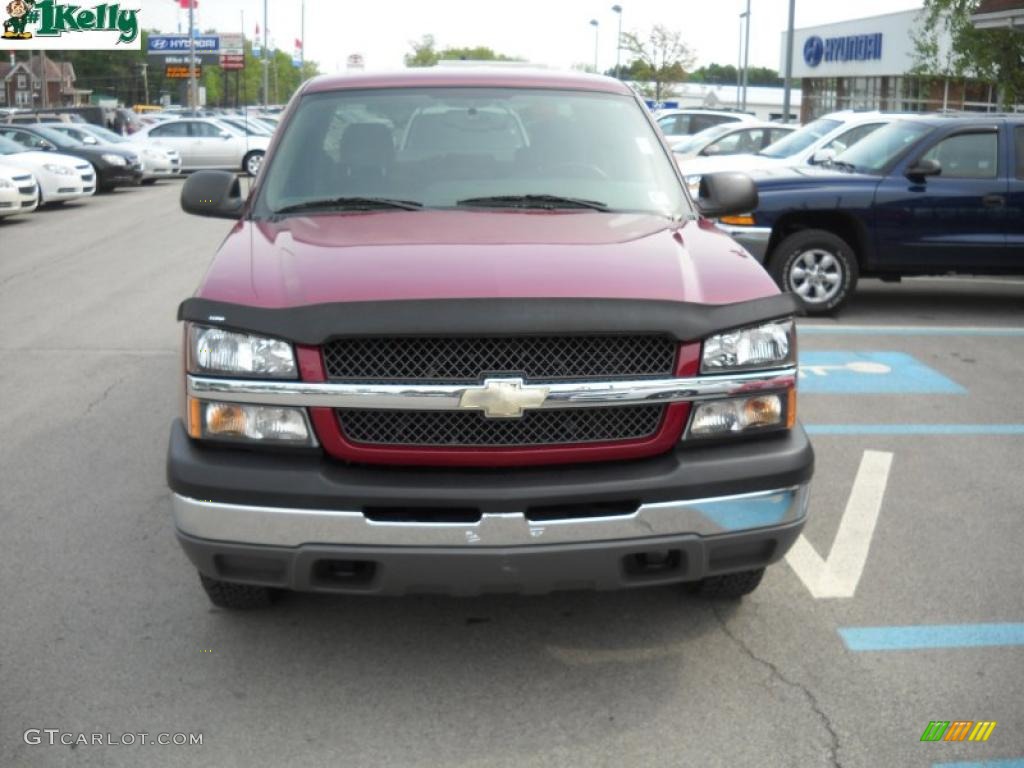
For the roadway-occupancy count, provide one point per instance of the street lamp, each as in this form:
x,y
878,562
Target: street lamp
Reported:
x,y
617,9
593,23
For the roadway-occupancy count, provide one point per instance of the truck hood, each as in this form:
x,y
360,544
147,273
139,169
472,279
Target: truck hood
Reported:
x,y
770,179
395,255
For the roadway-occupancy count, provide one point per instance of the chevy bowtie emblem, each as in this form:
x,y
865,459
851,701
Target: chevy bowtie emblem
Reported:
x,y
503,398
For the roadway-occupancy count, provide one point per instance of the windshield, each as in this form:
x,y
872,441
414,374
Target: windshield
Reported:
x,y
440,146
8,147
873,153
701,138
61,140
106,134
800,140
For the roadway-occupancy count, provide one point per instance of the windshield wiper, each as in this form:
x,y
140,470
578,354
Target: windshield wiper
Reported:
x,y
546,202
350,204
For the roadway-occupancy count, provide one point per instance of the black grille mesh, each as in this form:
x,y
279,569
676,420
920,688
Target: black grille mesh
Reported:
x,y
469,359
472,428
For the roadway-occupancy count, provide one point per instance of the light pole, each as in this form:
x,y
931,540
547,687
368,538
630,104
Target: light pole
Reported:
x,y
593,23
193,93
617,9
746,58
266,63
739,64
789,63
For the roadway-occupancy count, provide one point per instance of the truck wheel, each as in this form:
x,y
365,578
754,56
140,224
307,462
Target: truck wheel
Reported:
x,y
225,594
252,162
817,266
729,585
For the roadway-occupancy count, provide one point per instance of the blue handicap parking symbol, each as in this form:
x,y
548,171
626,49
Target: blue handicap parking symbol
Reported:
x,y
871,373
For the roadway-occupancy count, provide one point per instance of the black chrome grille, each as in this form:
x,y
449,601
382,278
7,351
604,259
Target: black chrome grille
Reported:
x,y
472,428
467,360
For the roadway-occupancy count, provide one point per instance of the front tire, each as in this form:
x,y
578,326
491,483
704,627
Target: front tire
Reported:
x,y
820,268
252,162
226,594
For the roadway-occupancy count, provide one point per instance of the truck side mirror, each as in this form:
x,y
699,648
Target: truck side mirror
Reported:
x,y
724,194
923,168
823,156
217,194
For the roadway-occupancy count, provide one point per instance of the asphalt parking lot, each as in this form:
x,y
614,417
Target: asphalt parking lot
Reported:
x,y
903,604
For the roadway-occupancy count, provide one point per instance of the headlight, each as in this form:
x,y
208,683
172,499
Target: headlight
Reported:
x,y
220,352
744,414
115,159
248,423
60,170
5,184
766,346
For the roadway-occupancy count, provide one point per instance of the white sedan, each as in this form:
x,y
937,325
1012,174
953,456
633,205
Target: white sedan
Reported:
x,y
157,162
205,143
60,177
18,191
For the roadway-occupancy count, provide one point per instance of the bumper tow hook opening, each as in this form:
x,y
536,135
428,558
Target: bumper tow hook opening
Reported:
x,y
654,564
343,572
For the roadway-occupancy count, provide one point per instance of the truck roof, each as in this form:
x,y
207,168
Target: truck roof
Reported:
x,y
478,77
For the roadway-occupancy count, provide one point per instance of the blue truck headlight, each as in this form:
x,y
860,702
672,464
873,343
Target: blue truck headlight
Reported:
x,y
771,345
220,352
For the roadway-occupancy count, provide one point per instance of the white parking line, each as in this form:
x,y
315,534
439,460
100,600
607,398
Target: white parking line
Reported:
x,y
839,574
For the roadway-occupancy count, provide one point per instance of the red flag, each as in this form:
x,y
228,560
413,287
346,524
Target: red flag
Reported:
x,y
298,44
184,4
257,29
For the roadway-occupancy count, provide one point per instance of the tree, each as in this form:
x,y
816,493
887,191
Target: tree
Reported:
x,y
994,55
425,54
662,58
718,74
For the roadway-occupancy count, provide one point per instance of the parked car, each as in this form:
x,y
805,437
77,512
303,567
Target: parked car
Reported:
x,y
157,162
737,138
59,177
686,122
424,368
248,126
920,196
813,144
204,143
114,167
19,192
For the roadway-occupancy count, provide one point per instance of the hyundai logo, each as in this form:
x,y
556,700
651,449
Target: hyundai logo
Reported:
x,y
814,50
158,42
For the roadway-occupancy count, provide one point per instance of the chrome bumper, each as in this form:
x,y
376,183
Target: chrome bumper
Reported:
x,y
279,526
754,239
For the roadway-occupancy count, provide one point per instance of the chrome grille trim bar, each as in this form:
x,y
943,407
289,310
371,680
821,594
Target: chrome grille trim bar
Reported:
x,y
444,397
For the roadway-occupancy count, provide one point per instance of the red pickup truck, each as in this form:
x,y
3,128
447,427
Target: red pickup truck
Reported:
x,y
470,334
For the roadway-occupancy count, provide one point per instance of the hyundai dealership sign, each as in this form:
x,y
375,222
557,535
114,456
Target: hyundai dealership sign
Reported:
x,y
873,47
849,48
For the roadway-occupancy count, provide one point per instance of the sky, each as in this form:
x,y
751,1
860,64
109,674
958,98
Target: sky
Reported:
x,y
555,33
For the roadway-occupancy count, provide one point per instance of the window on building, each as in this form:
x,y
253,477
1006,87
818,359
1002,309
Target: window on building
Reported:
x,y
22,82
967,155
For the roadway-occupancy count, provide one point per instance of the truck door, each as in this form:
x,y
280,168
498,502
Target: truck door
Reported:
x,y
953,221
1015,204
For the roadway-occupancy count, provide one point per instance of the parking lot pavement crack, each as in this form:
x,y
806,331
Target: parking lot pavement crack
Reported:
x,y
101,398
812,700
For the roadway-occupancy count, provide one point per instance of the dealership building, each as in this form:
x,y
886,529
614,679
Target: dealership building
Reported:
x,y
869,64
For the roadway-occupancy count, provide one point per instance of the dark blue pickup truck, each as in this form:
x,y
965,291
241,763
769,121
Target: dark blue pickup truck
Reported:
x,y
924,195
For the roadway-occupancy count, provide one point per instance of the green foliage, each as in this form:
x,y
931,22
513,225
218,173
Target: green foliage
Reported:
x,y
718,74
993,55
425,53
662,58
118,74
